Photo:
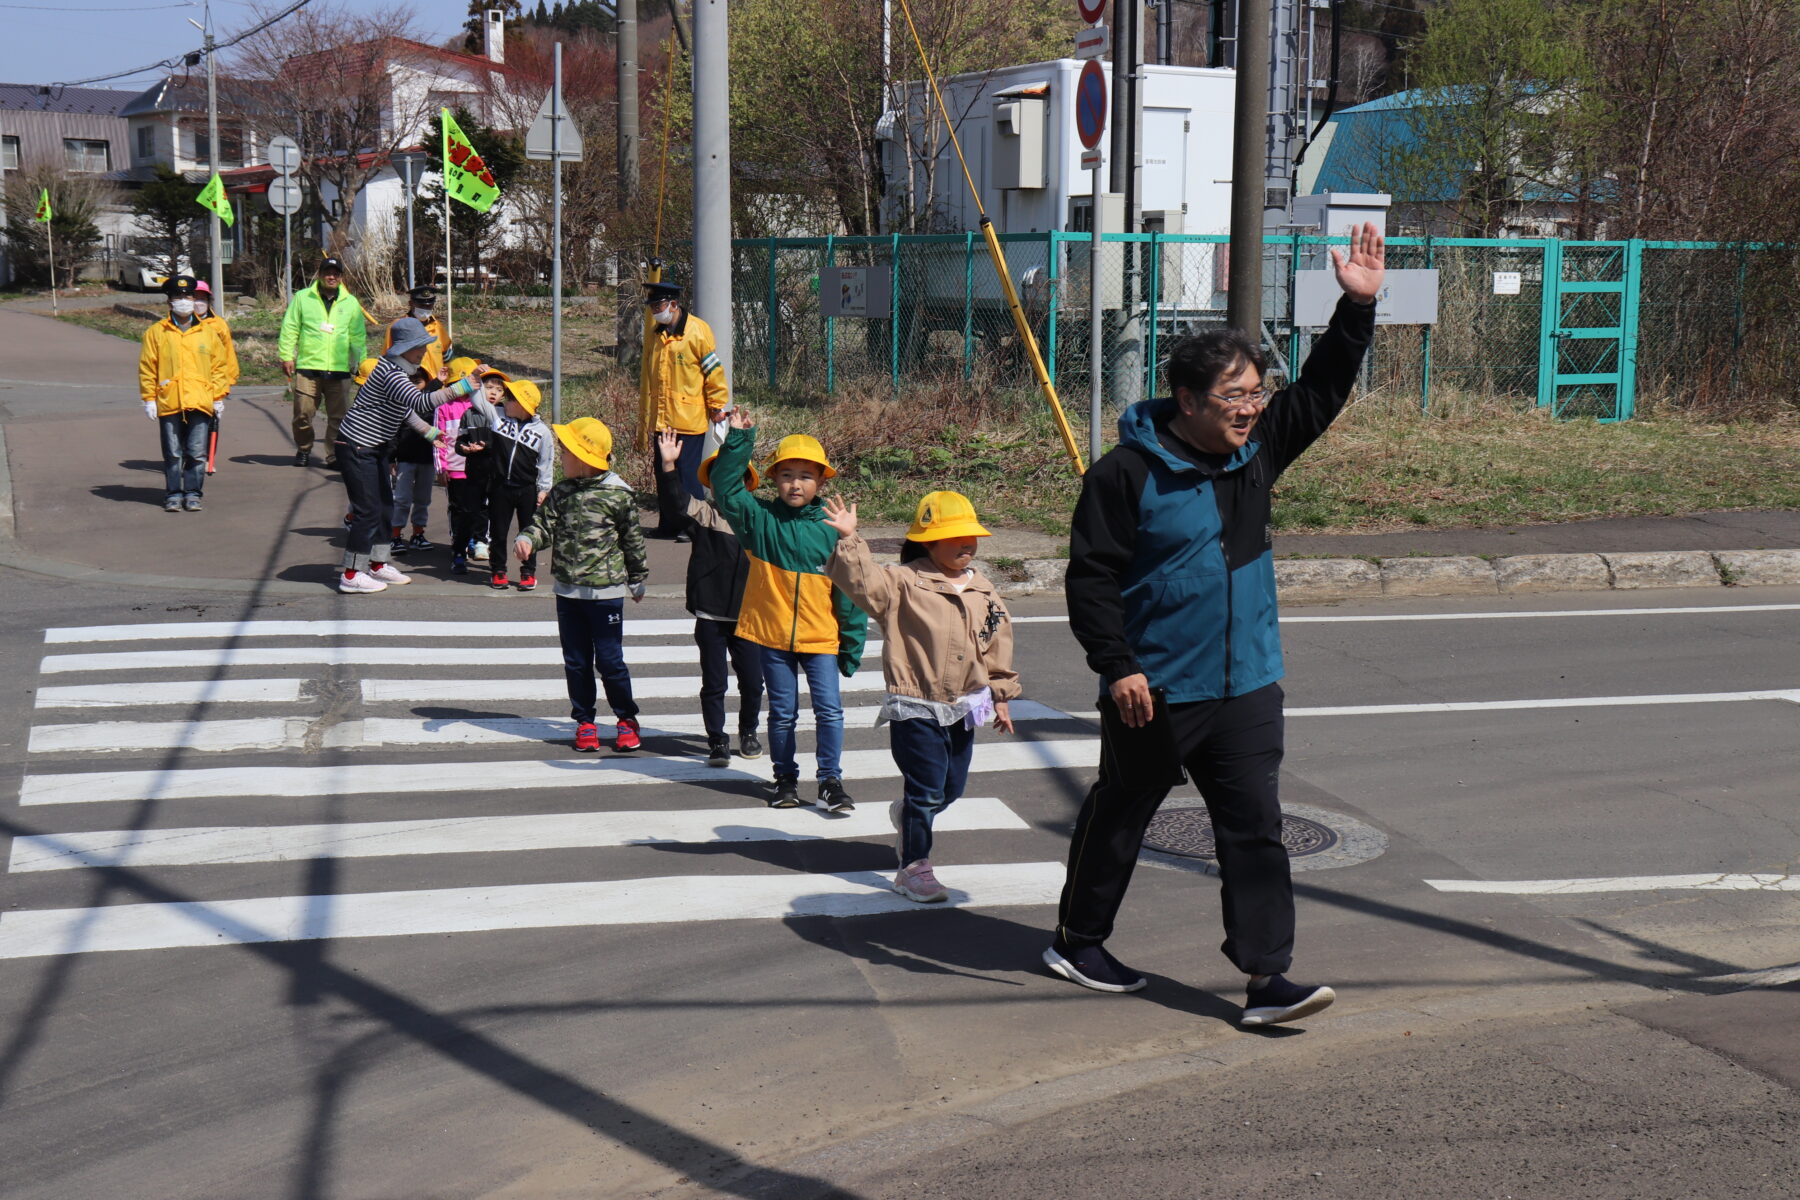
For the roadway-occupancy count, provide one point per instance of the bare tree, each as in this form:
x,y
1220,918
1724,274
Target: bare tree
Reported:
x,y
352,88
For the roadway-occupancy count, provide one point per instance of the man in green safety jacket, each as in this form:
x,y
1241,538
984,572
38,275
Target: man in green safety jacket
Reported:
x,y
324,335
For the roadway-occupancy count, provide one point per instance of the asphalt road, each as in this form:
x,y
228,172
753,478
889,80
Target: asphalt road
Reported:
x,y
395,1006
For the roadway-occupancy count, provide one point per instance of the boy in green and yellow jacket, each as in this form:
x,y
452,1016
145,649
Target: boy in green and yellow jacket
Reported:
x,y
791,612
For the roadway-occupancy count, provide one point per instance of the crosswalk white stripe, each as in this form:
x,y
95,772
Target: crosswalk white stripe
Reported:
x,y
180,691
645,687
664,899
215,845
202,658
1790,695
288,733
277,691
1714,882
455,630
377,779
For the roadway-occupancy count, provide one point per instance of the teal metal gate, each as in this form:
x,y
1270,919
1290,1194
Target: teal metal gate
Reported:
x,y
1587,364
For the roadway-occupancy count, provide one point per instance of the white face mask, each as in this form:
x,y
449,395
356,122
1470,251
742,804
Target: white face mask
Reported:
x,y
666,316
182,308
421,314
200,307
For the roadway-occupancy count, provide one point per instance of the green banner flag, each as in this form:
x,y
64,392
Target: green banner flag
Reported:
x,y
466,176
43,209
212,197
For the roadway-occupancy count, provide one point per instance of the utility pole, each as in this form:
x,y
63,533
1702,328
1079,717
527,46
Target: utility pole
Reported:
x,y
212,149
627,12
1249,161
712,174
556,222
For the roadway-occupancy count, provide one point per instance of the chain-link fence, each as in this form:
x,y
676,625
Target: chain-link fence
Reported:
x,y
1581,327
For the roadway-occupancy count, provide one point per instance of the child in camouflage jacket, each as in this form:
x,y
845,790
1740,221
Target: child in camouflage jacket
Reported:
x,y
590,524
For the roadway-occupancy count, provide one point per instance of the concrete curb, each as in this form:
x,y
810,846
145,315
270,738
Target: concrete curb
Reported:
x,y
1325,580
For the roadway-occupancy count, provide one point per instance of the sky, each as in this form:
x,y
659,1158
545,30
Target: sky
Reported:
x,y
58,41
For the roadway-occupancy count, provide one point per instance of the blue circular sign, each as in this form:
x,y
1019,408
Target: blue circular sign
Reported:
x,y
1090,104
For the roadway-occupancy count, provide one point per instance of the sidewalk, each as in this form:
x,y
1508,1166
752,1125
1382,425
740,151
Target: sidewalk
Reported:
x,y
86,496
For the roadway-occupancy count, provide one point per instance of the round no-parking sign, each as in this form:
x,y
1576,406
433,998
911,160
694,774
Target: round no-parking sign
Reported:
x,y
1090,104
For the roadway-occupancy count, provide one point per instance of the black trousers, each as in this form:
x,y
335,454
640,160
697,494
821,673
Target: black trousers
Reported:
x,y
719,644
1232,751
671,506
468,513
507,502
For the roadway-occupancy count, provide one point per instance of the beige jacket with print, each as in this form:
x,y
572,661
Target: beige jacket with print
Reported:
x,y
937,644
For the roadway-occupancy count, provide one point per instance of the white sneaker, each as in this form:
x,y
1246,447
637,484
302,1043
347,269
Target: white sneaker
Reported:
x,y
362,581
389,573
478,552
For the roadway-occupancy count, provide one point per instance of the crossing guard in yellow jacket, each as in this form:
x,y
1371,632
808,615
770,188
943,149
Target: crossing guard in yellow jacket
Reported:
x,y
181,376
791,611
682,387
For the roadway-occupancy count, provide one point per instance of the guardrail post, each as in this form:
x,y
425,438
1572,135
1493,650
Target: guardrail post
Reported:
x,y
1054,278
969,305
1155,301
774,306
1425,368
830,322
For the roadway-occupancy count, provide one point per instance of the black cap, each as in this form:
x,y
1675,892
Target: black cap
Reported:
x,y
179,285
332,264
423,295
661,291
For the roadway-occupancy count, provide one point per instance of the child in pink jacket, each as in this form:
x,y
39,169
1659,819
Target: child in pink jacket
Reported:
x,y
468,497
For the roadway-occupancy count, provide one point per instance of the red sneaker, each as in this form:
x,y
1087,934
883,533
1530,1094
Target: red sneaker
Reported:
x,y
587,736
528,583
498,582
628,735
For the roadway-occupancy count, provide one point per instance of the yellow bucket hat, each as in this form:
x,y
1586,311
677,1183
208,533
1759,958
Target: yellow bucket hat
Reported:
x,y
528,396
944,515
362,371
459,368
800,445
588,439
751,479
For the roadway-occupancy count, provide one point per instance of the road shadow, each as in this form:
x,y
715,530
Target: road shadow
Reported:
x,y
142,464
263,460
121,493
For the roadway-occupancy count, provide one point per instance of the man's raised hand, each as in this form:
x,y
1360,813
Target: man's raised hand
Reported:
x,y
840,516
1361,273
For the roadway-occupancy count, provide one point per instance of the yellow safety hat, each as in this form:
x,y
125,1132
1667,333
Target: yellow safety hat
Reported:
x,y
800,445
362,370
751,479
459,368
944,515
495,373
528,396
588,439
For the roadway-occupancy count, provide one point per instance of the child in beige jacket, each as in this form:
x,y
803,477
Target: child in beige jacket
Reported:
x,y
946,656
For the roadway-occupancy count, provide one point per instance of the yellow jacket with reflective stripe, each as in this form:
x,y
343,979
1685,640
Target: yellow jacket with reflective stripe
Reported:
x,y
183,369
681,376
227,348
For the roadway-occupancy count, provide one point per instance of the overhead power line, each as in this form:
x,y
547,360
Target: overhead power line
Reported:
x,y
174,60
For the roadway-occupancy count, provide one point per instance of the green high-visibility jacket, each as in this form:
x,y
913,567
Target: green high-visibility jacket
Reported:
x,y
316,339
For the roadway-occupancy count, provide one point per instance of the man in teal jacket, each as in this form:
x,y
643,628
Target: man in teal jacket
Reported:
x,y
324,336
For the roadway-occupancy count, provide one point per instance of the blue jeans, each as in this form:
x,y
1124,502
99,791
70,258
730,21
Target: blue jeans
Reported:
x,y
592,633
934,765
369,484
781,673
184,439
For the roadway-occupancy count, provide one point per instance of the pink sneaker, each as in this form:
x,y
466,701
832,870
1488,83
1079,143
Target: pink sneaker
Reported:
x,y
915,881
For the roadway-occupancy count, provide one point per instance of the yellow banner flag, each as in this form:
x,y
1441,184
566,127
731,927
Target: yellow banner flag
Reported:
x,y
466,176
212,196
43,209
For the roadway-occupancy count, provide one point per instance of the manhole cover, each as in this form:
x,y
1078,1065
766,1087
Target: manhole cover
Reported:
x,y
1188,832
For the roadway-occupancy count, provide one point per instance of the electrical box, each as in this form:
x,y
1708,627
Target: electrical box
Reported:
x,y
1335,214
1020,133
